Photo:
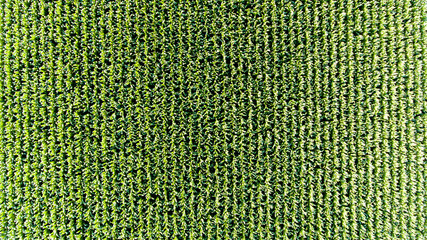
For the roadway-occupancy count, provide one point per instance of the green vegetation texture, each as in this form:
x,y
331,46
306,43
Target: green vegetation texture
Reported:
x,y
195,119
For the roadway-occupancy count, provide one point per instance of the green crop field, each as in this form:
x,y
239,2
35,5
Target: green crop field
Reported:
x,y
209,119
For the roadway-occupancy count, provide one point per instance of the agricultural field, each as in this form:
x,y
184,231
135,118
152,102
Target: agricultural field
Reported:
x,y
208,119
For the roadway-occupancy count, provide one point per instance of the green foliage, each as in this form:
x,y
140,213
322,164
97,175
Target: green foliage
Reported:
x,y
235,119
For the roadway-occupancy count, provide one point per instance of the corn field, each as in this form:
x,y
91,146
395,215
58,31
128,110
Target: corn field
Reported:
x,y
208,119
